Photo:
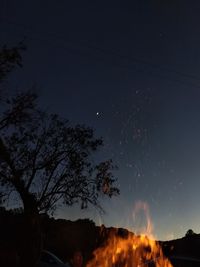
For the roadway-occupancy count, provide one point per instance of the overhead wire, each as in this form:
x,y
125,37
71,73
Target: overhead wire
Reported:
x,y
112,53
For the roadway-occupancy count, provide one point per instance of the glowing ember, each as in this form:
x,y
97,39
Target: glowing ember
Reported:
x,y
130,251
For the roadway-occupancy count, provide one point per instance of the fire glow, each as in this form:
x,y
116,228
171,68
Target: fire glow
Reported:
x,y
131,250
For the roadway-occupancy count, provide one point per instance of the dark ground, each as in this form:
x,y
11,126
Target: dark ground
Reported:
x,y
63,238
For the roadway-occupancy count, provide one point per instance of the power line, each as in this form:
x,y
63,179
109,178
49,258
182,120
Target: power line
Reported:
x,y
111,52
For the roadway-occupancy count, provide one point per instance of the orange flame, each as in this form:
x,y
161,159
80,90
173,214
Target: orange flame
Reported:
x,y
130,250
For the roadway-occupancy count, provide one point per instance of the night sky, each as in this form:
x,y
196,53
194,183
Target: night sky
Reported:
x,y
130,71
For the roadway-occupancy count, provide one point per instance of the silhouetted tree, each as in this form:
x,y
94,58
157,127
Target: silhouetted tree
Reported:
x,y
189,233
44,159
9,58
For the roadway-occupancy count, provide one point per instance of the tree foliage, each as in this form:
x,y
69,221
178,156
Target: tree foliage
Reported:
x,y
45,159
189,233
9,58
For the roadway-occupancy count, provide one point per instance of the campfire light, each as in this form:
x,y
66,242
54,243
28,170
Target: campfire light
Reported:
x,y
130,250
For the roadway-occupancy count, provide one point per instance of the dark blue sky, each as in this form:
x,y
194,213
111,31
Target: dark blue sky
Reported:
x,y
131,71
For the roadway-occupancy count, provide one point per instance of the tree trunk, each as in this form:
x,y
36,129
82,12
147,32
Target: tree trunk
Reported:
x,y
32,241
32,235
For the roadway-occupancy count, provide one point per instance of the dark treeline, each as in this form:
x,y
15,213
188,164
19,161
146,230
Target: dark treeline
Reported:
x,y
64,237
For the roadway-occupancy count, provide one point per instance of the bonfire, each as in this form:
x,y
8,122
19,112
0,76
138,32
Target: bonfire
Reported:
x,y
130,250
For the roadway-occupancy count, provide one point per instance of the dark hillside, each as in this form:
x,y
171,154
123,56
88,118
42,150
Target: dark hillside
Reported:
x,y
64,237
